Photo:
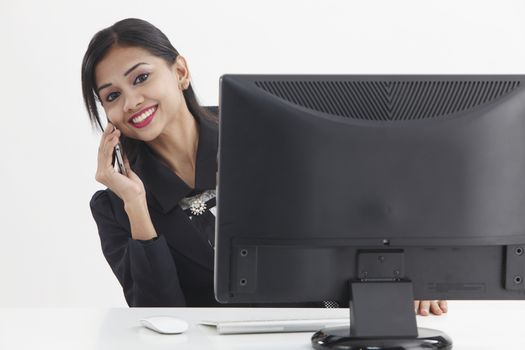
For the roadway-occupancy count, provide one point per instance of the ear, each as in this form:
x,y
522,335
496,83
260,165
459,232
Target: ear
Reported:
x,y
182,72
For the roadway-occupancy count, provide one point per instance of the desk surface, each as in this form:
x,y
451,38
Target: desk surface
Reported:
x,y
471,324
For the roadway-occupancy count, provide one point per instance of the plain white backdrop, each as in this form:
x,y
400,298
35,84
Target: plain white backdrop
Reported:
x,y
49,249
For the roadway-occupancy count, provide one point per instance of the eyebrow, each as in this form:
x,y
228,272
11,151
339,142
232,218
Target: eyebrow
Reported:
x,y
125,74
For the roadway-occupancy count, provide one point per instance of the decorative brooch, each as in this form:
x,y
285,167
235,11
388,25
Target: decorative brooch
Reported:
x,y
197,204
197,207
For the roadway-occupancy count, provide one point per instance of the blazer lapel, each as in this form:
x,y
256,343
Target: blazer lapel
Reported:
x,y
183,237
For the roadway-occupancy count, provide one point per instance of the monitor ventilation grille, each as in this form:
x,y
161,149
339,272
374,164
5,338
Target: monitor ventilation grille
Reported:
x,y
389,100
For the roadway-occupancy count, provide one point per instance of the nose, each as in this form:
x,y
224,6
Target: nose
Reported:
x,y
133,100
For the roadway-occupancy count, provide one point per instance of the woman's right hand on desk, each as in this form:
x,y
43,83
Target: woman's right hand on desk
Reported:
x,y
129,188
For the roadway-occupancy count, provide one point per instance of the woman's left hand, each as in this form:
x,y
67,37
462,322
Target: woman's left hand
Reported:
x,y
425,307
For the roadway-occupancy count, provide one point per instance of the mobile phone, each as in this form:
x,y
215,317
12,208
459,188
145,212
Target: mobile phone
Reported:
x,y
120,159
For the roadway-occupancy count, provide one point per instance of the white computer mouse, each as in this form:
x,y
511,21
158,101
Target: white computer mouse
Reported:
x,y
165,324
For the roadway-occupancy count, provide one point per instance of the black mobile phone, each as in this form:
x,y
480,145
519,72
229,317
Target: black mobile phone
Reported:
x,y
120,159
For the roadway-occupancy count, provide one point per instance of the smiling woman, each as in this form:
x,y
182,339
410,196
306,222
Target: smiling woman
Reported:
x,y
161,253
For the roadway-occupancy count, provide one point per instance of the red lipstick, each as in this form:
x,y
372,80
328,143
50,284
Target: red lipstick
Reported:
x,y
150,110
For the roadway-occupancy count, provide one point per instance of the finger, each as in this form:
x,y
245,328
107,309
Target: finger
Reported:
x,y
114,133
434,308
109,147
108,134
416,306
109,129
127,166
443,305
110,139
424,307
126,162
105,155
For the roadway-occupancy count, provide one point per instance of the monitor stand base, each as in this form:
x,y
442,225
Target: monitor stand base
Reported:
x,y
382,317
339,338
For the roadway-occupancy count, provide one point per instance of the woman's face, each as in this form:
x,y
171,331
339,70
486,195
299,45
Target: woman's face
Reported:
x,y
141,93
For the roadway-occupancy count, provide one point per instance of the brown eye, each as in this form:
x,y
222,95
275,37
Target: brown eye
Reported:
x,y
141,78
112,96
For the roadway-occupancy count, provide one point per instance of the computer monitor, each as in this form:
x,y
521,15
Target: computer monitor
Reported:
x,y
371,189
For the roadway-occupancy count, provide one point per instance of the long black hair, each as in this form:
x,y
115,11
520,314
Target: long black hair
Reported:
x,y
137,33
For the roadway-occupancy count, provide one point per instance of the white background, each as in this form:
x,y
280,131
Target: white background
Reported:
x,y
49,249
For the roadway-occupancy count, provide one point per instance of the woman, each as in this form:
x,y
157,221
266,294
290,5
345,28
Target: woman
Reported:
x,y
156,224
158,249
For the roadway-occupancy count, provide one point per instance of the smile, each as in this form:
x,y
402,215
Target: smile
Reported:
x,y
143,117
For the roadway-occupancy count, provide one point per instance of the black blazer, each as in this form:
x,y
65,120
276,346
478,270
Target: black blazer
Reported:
x,y
175,269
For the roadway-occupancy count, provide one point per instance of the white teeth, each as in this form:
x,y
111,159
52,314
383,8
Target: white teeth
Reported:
x,y
143,115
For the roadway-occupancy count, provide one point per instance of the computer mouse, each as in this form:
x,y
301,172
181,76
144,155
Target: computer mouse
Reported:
x,y
165,324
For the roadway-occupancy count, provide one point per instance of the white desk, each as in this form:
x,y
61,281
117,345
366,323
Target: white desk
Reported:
x,y
480,325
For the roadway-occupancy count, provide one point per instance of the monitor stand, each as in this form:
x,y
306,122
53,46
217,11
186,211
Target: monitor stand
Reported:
x,y
382,317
